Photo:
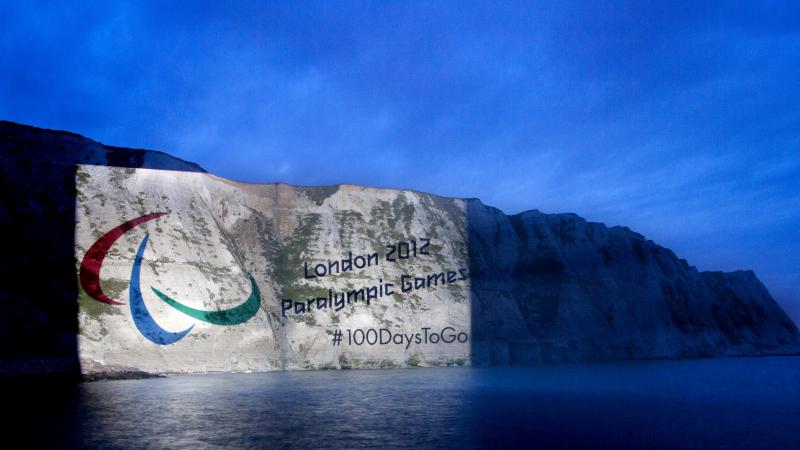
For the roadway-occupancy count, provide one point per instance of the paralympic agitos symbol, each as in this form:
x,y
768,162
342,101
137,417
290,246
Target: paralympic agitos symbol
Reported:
x,y
90,281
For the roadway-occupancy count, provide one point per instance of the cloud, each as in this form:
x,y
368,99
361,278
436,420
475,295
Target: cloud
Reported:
x,y
676,119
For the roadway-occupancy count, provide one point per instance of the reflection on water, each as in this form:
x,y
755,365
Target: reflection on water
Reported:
x,y
723,403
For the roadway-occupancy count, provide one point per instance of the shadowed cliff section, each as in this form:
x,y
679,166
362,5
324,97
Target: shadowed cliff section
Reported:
x,y
24,145
38,292
554,287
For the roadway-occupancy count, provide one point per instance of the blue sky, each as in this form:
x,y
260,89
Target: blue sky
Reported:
x,y
680,120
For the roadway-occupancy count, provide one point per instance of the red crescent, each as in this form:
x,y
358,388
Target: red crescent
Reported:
x,y
93,259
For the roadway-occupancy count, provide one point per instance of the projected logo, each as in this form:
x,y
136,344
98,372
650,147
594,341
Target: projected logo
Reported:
x,y
145,323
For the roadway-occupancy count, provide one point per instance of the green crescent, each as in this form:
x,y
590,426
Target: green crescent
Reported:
x,y
233,316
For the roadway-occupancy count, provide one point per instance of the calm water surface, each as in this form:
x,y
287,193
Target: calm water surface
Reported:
x,y
741,403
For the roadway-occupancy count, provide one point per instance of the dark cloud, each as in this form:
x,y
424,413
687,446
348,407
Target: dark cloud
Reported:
x,y
678,119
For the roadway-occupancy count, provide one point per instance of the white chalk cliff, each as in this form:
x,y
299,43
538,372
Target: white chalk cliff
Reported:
x,y
491,288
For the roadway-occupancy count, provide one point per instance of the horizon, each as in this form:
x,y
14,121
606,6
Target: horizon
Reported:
x,y
677,121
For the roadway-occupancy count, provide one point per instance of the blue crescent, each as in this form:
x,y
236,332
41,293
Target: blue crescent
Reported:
x,y
141,316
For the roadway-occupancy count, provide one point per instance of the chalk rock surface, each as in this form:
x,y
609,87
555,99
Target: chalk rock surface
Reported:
x,y
342,276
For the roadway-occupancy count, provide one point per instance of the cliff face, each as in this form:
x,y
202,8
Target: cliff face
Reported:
x,y
579,290
207,274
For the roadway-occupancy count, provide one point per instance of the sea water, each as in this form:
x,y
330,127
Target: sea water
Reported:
x,y
737,403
